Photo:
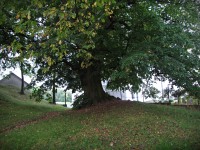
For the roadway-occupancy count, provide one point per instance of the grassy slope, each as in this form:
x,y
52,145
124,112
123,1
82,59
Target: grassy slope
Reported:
x,y
16,108
115,125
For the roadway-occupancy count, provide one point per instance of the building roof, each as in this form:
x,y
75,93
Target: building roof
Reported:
x,y
11,76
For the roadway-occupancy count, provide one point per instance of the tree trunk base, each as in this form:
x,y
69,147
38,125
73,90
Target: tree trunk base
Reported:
x,y
21,93
83,101
94,93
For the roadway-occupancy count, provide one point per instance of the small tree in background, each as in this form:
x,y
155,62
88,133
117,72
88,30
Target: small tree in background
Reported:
x,y
151,92
60,95
178,93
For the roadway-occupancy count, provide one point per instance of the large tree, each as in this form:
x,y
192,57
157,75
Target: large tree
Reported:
x,y
120,41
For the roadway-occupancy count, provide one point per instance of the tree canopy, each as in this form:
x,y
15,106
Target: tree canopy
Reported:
x,y
85,42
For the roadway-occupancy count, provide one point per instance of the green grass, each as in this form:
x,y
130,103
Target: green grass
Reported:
x,y
115,125
16,108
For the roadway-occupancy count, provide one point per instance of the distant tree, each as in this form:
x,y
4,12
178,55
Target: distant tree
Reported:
x,y
178,93
25,68
60,95
149,91
50,78
54,90
22,77
38,94
167,92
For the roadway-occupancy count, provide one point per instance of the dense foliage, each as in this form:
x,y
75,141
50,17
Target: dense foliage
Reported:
x,y
84,42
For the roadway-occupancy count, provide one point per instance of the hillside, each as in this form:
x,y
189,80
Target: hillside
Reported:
x,y
114,125
17,108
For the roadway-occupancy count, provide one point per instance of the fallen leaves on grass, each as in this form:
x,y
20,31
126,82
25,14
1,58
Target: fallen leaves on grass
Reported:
x,y
23,124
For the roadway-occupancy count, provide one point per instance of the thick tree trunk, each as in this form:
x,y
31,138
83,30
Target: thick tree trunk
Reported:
x,y
92,87
22,76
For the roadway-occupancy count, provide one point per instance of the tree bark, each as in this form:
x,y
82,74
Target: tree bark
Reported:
x,y
22,76
92,87
54,89
179,100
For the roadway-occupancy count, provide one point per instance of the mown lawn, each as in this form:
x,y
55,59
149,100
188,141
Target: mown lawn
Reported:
x,y
17,108
114,125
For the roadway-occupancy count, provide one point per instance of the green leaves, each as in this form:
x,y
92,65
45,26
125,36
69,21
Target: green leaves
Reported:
x,y
125,41
17,46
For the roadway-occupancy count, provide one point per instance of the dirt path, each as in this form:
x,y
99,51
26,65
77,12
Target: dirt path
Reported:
x,y
23,124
